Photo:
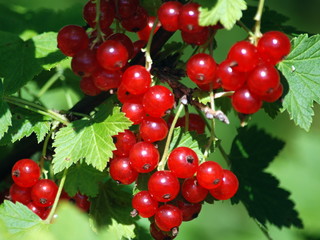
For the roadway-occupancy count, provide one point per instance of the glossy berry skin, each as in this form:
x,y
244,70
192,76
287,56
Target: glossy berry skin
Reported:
x,y
274,96
157,234
144,157
82,202
125,96
134,111
168,15
44,192
227,188
121,171
209,174
198,38
144,204
112,55
124,141
157,100
263,80
192,191
183,162
71,39
84,63
201,68
196,123
88,87
20,194
244,55
105,79
189,210
137,22
146,31
274,46
163,186
125,40
25,173
231,79
136,79
40,211
153,129
126,8
244,101
188,18
168,217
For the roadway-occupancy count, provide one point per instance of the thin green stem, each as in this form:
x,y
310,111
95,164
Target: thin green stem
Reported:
x,y
187,120
163,161
66,91
36,108
263,229
212,138
257,18
56,200
148,47
242,25
48,84
44,150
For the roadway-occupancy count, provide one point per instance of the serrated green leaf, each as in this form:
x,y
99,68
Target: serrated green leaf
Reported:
x,y
201,96
272,109
84,179
17,217
121,231
186,139
89,139
227,12
5,114
301,69
251,152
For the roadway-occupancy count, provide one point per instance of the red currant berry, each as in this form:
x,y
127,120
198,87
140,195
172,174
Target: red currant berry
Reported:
x,y
231,79
196,123
168,15
37,210
125,40
157,100
153,129
192,191
105,79
274,46
25,172
126,8
20,194
136,79
144,204
107,13
163,186
134,111
144,157
263,80
112,55
189,210
84,63
157,234
244,55
121,171
146,31
138,45
275,95
244,101
125,96
198,38
88,87
201,68
72,39
183,162
124,141
137,22
209,174
82,202
168,217
189,18
44,192
227,188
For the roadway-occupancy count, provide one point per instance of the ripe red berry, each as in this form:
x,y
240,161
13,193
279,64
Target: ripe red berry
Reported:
x,y
44,192
71,39
82,202
244,55
84,62
163,186
157,234
125,96
146,31
144,204
144,157
125,40
231,79
20,194
40,211
124,141
244,101
153,129
168,217
126,8
189,210
121,171
227,188
112,55
201,68
192,191
25,172
134,111
137,22
274,46
275,95
189,18
88,87
196,123
105,79
198,38
183,162
136,79
168,15
157,100
209,174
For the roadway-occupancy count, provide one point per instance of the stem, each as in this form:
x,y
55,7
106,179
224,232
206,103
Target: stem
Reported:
x,y
257,18
44,150
242,25
212,138
163,161
48,84
186,115
263,230
148,47
56,200
100,34
36,108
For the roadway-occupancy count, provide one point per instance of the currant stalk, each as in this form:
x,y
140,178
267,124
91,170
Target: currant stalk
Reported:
x,y
257,18
149,61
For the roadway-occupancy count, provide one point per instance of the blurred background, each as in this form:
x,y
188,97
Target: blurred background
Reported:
x,y
297,166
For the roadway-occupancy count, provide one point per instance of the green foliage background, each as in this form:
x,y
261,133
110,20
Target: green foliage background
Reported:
x,y
297,166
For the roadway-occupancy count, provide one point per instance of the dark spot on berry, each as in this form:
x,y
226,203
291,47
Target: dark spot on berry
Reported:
x,y
215,182
146,166
190,159
167,196
43,200
16,173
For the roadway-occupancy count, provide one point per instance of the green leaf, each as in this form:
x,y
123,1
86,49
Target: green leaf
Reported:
x,y
301,69
83,178
272,109
251,152
17,217
227,12
201,96
5,114
89,139
151,6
